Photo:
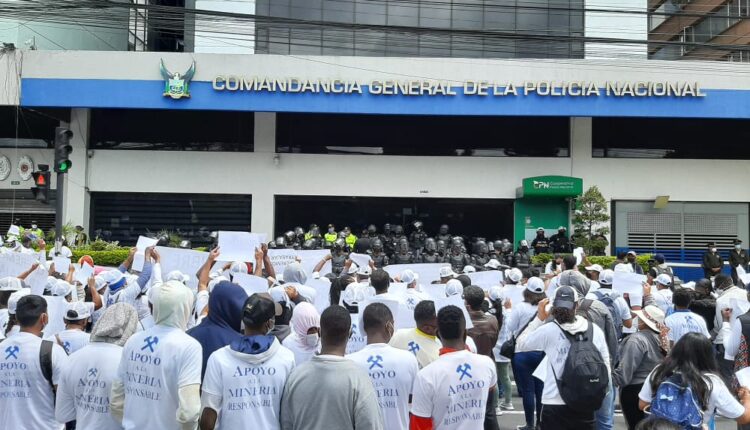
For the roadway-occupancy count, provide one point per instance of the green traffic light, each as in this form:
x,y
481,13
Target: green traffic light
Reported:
x,y
64,166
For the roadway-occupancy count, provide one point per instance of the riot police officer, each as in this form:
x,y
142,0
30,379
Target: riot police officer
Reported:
x,y
389,245
299,232
430,254
364,243
540,243
481,255
443,234
559,242
280,243
442,248
418,236
398,233
522,257
379,258
338,256
506,253
350,238
330,236
402,255
458,258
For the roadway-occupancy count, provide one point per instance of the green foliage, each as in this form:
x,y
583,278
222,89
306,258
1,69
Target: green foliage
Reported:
x,y
68,232
591,222
604,260
103,258
102,245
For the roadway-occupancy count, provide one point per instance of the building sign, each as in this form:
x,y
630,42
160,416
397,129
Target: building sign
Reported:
x,y
233,83
176,85
551,186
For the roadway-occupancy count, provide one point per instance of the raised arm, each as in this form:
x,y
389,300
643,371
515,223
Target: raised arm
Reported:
x,y
95,297
205,270
25,274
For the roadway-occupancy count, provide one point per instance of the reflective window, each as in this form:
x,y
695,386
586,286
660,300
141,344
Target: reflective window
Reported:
x,y
30,128
171,130
721,139
478,136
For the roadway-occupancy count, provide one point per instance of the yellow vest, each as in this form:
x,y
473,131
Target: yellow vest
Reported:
x,y
351,240
330,237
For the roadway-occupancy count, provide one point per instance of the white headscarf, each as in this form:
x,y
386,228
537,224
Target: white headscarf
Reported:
x,y
304,317
173,303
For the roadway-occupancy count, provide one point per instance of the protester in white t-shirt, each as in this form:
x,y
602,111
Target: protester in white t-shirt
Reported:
x,y
391,370
158,381
304,339
84,388
421,341
27,400
8,286
683,321
692,357
12,327
663,294
413,293
76,318
455,391
244,381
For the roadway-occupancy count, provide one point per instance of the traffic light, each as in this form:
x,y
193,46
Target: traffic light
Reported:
x,y
41,182
63,150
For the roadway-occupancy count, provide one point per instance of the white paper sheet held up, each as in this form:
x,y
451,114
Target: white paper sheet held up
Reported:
x,y
139,259
186,261
362,260
322,293
37,281
578,254
628,283
457,301
427,272
487,279
514,293
743,377
83,274
62,265
14,230
238,245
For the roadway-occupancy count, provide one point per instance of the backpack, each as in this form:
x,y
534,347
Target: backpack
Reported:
x,y
585,379
609,302
676,403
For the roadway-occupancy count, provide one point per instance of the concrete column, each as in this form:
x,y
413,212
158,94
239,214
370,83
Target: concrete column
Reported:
x,y
580,147
263,216
77,198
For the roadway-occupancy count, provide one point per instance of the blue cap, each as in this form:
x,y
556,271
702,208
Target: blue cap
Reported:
x,y
659,258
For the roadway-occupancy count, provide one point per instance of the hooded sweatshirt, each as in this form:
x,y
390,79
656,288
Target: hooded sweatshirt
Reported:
x,y
223,324
303,345
254,370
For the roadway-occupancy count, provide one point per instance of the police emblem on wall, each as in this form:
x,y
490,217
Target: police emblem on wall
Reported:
x,y
176,85
25,167
4,167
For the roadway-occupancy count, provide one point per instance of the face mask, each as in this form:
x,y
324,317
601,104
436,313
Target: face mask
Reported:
x,y
737,246
33,226
713,249
330,230
311,340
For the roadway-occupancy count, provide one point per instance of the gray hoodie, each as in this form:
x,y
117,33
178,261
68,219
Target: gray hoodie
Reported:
x,y
639,355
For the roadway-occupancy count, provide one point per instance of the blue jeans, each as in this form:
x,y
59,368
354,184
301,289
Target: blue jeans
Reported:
x,y
524,364
605,416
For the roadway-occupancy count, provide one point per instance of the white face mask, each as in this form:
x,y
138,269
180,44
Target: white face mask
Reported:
x,y
33,226
311,340
737,246
713,249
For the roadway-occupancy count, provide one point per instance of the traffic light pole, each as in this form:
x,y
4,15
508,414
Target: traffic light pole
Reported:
x,y
59,211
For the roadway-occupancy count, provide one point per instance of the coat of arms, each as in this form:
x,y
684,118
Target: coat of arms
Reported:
x,y
177,85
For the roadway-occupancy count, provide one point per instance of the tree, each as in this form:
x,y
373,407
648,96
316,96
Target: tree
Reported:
x,y
591,222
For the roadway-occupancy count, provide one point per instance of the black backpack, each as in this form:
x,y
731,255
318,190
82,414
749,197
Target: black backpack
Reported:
x,y
585,379
609,301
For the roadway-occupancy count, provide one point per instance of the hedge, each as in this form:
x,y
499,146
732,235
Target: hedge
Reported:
x,y
103,258
604,261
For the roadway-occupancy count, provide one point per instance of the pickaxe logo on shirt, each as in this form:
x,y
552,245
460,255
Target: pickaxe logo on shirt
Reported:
x,y
374,361
410,301
150,342
66,346
11,351
413,347
463,370
93,372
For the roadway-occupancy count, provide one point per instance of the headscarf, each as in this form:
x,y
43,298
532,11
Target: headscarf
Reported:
x,y
118,322
172,303
294,273
304,317
223,324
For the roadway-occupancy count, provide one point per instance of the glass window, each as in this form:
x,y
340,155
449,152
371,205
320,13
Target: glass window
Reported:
x,y
171,130
720,139
478,136
370,12
30,128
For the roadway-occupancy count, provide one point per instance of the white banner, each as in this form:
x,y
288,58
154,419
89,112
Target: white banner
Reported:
x,y
15,263
427,272
486,279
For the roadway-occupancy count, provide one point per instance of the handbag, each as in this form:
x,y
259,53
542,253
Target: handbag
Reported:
x,y
508,348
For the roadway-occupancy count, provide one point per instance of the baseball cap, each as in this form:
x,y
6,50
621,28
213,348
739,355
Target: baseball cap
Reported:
x,y
178,276
659,258
540,229
565,297
633,253
259,308
61,288
664,279
364,271
10,283
535,285
606,277
407,277
77,311
493,264
453,287
447,272
496,293
469,269
514,274
595,268
15,297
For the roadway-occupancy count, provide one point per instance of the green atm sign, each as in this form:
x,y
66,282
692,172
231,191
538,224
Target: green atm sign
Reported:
x,y
552,186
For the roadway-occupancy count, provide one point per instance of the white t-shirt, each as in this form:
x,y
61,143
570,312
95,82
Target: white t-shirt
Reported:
x,y
413,297
424,347
300,355
155,364
83,393
663,299
357,340
72,339
248,392
453,390
550,339
26,400
682,322
392,372
720,399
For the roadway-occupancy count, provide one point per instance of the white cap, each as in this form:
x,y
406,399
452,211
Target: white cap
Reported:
x,y
664,279
364,271
469,269
447,272
408,276
64,252
100,283
50,284
493,264
278,294
111,276
535,285
595,268
624,267
77,311
631,252
61,288
238,267
10,283
453,287
606,277
15,297
524,243
213,282
178,276
496,293
514,274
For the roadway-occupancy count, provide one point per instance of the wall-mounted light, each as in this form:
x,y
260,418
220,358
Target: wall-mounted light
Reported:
x,y
661,202
276,159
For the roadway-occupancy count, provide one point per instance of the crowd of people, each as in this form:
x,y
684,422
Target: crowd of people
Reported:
x,y
143,349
